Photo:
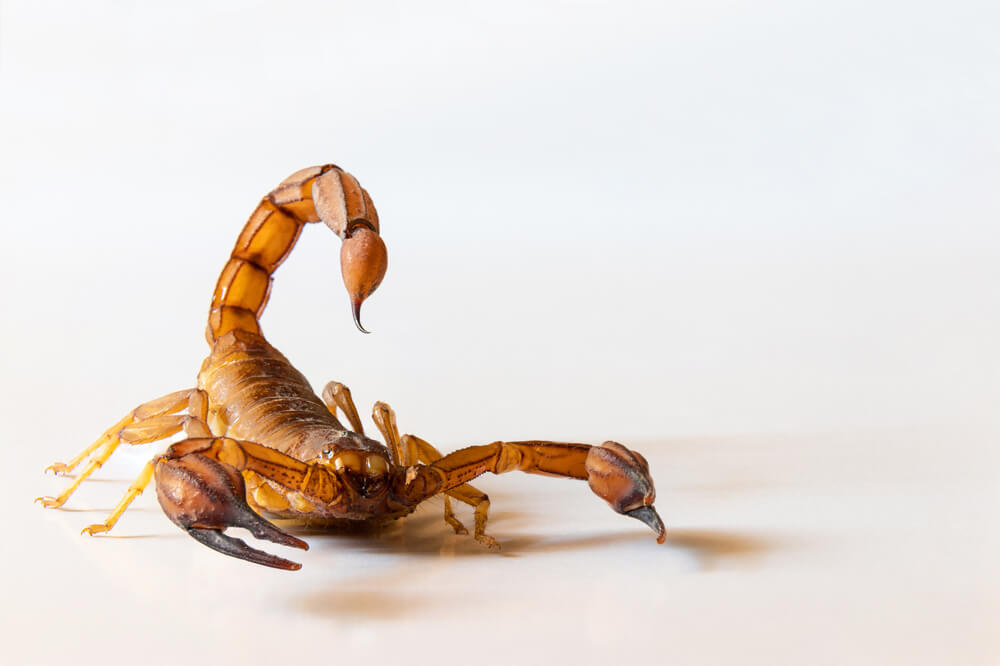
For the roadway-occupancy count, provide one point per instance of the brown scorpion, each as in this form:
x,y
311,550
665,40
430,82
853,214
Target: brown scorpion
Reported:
x,y
259,441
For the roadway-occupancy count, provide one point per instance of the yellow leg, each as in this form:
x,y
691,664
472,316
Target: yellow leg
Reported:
x,y
134,490
146,423
143,432
449,517
168,404
67,467
385,421
93,464
337,395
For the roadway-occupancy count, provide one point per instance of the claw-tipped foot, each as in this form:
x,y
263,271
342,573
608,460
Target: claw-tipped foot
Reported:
x,y
57,468
621,477
98,528
456,525
50,502
488,541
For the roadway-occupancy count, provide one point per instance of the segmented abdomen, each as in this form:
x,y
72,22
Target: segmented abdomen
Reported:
x,y
261,397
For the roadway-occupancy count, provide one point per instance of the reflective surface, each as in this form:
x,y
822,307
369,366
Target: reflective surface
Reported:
x,y
827,548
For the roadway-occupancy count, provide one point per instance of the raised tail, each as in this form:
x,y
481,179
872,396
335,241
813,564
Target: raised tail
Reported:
x,y
316,194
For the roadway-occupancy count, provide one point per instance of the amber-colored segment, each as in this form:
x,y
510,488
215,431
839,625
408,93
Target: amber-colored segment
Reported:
x,y
168,404
294,194
328,198
302,175
342,203
375,465
481,508
347,460
385,420
242,285
451,519
291,200
354,198
225,319
300,503
535,457
268,499
268,237
370,213
153,428
336,395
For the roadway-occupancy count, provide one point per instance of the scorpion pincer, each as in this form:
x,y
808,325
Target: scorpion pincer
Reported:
x,y
259,441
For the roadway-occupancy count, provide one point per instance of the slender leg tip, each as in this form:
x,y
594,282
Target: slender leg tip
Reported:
x,y
91,530
49,502
488,541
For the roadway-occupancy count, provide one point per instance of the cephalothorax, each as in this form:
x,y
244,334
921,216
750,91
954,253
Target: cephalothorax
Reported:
x,y
259,441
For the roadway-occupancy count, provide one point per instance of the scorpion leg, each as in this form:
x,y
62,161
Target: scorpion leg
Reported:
x,y
385,421
413,450
615,474
337,395
477,499
193,427
146,423
200,488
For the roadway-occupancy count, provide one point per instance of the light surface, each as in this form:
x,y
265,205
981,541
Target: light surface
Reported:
x,y
756,242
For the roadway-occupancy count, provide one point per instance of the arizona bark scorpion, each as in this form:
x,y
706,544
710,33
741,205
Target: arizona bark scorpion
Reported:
x,y
259,441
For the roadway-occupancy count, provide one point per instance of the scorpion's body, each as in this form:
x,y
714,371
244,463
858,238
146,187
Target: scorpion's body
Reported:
x,y
260,441
263,398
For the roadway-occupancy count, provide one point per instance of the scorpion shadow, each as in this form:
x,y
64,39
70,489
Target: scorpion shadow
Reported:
x,y
714,548
395,591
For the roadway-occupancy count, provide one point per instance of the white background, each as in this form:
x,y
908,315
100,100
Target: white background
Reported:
x,y
756,241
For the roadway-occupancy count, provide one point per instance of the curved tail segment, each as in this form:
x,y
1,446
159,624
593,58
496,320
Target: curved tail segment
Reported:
x,y
317,194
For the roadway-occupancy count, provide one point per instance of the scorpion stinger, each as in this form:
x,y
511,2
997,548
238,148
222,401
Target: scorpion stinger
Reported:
x,y
260,443
363,261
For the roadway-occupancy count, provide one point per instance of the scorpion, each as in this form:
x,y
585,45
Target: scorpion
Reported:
x,y
259,442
